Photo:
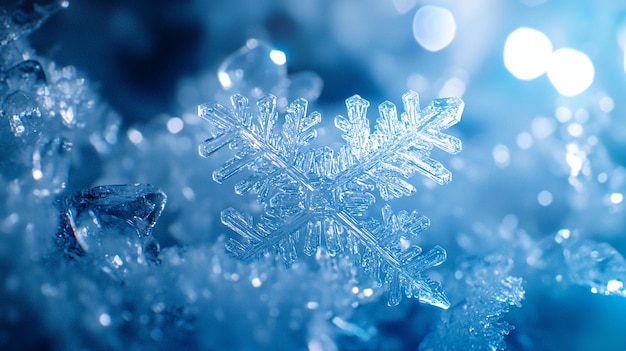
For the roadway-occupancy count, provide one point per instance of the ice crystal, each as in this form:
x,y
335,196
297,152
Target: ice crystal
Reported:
x,y
474,323
19,20
112,224
258,69
596,265
321,196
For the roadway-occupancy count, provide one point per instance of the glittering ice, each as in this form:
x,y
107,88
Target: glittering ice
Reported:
x,y
259,69
112,225
474,323
596,265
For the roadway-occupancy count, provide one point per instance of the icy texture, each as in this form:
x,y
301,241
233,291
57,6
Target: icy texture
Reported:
x,y
320,197
259,69
17,21
596,265
474,323
113,225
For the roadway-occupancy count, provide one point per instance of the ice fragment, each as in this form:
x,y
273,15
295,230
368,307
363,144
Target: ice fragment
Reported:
x,y
112,225
596,265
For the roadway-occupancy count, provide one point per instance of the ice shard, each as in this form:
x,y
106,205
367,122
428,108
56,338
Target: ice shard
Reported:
x,y
112,226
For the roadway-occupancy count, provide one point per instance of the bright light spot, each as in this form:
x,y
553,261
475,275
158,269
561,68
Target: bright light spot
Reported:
x,y
117,261
527,53
105,320
37,174
355,290
256,282
558,278
606,104
224,79
278,57
433,27
614,285
570,72
65,4
134,136
312,305
367,292
501,155
575,130
594,290
524,140
617,198
175,125
563,114
562,235
602,177
544,198
575,158
542,127
452,87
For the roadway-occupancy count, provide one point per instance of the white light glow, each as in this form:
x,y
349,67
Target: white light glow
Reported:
x,y
501,155
134,136
224,79
524,140
105,320
575,158
434,27
544,198
175,125
278,57
527,53
563,114
617,198
570,71
606,104
575,129
614,285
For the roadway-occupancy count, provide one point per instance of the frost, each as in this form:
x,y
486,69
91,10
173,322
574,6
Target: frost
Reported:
x,y
19,20
320,197
474,323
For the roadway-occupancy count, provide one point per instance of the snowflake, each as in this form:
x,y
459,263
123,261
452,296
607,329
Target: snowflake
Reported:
x,y
322,196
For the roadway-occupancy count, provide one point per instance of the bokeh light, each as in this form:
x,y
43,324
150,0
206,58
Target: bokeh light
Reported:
x,y
570,71
278,57
527,53
434,27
